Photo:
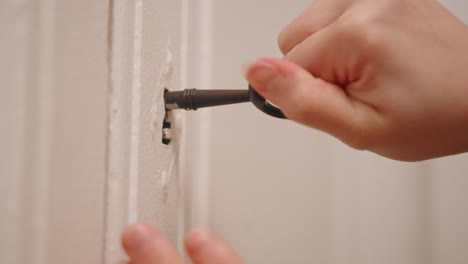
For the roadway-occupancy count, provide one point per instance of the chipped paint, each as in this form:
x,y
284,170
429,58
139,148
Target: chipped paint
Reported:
x,y
157,104
146,56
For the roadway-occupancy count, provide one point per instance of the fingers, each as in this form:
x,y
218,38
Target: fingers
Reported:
x,y
321,14
145,245
306,99
204,247
319,54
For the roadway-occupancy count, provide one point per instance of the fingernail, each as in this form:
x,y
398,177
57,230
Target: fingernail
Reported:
x,y
197,240
136,237
260,73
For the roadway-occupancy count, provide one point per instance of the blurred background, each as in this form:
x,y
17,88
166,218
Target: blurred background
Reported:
x,y
283,193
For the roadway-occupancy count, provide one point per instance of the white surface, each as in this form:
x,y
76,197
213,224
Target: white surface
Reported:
x,y
282,193
57,66
198,133
144,183
82,110
450,210
14,28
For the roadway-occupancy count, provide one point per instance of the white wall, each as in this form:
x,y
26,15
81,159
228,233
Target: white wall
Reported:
x,y
283,193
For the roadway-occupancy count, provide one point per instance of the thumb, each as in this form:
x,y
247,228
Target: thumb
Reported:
x,y
306,99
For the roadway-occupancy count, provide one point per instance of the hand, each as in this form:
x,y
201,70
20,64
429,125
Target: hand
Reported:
x,y
145,245
389,76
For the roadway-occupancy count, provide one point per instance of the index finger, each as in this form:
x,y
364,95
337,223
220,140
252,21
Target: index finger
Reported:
x,y
146,245
321,14
205,247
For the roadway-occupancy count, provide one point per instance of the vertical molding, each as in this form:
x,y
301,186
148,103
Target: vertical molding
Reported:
x,y
135,124
203,164
145,179
197,143
28,108
183,214
121,72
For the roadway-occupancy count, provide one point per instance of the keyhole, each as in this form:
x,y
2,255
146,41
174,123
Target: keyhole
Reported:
x,y
166,130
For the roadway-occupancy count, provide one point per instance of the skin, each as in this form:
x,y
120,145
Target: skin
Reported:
x,y
387,76
146,245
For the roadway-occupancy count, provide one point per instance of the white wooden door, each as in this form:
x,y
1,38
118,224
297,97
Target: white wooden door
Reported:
x,y
82,114
54,114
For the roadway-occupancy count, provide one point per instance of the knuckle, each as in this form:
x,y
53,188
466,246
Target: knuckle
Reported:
x,y
365,30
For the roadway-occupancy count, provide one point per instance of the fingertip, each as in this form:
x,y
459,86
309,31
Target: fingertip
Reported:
x,y
261,73
252,69
277,79
136,236
196,240
205,247
246,67
145,244
264,70
283,45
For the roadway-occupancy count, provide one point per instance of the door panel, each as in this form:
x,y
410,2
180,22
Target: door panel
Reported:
x,y
57,102
144,183
82,153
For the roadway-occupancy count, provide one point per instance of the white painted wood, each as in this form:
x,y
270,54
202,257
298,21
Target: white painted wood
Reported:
x,y
55,65
40,120
146,178
120,118
14,27
197,135
77,176
82,155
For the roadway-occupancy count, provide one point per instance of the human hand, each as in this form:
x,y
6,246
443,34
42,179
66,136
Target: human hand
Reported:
x,y
146,245
388,76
